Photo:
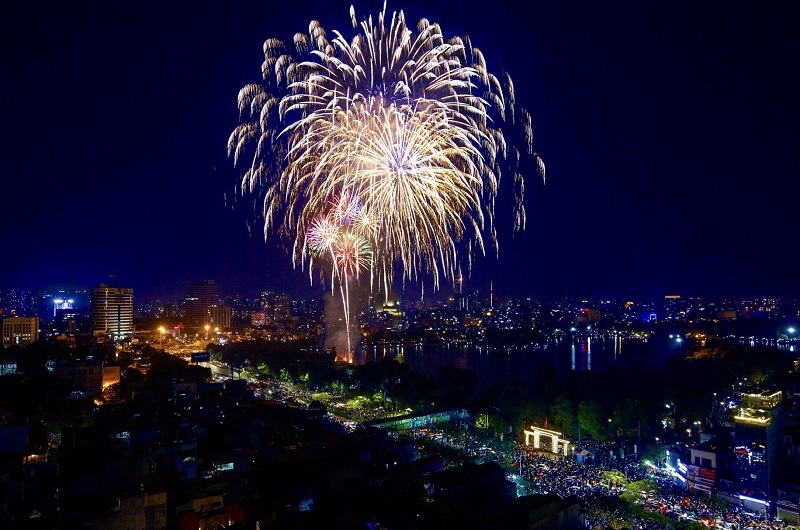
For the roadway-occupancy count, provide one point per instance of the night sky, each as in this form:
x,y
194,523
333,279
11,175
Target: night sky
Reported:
x,y
669,130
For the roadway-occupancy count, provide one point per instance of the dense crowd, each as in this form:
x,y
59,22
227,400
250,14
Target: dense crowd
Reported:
x,y
677,502
543,472
566,476
590,482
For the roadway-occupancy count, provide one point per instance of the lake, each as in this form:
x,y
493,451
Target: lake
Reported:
x,y
495,365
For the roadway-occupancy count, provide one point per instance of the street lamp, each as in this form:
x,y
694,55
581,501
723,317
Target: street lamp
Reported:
x,y
162,330
207,328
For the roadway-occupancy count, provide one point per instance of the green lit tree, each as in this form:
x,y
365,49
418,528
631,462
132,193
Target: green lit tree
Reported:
x,y
591,419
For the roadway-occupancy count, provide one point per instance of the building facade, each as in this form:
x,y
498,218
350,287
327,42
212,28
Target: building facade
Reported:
x,y
276,306
757,444
20,331
198,298
112,312
220,316
88,376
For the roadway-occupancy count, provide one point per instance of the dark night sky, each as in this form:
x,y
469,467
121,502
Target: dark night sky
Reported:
x,y
669,130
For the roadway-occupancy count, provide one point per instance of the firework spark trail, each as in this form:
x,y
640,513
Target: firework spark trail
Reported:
x,y
338,234
410,123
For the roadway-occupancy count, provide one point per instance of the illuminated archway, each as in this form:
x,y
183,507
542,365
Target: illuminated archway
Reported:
x,y
558,444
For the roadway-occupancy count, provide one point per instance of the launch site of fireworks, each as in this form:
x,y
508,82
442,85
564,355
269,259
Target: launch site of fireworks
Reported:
x,y
389,265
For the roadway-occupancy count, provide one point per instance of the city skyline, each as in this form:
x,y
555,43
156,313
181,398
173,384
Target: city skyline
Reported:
x,y
669,135
50,301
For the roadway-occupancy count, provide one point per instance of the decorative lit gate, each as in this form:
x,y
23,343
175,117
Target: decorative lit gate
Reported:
x,y
558,444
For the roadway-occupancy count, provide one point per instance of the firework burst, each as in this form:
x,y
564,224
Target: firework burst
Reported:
x,y
403,126
419,91
338,235
322,234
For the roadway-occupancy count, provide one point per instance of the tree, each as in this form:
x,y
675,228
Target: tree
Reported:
x,y
562,416
760,375
489,421
336,388
509,398
591,419
634,490
628,415
532,412
357,403
285,376
614,476
653,454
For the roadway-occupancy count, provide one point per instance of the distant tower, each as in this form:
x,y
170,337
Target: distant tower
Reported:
x,y
461,301
198,297
112,311
458,285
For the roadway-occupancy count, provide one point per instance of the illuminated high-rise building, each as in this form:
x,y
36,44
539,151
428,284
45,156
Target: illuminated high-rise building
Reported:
x,y
759,307
283,307
220,316
198,298
112,312
266,304
757,444
20,331
276,306
57,302
308,307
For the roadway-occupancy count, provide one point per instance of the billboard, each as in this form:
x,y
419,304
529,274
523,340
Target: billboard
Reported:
x,y
201,357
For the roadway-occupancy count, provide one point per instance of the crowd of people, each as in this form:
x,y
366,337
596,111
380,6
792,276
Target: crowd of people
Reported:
x,y
565,476
591,482
599,481
677,502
